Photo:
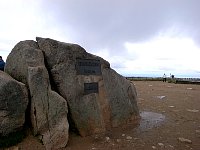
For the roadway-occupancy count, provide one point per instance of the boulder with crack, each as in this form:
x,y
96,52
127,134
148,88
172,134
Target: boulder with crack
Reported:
x,y
49,110
98,97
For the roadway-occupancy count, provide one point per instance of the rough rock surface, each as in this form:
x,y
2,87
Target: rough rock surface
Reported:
x,y
48,109
122,97
98,98
115,102
13,104
25,54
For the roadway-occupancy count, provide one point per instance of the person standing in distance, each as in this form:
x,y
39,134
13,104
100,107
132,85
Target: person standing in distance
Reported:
x,y
2,64
164,78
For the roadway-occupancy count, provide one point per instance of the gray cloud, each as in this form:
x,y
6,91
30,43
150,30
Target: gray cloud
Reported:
x,y
103,23
108,24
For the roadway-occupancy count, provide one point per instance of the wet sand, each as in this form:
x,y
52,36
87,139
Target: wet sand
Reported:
x,y
169,112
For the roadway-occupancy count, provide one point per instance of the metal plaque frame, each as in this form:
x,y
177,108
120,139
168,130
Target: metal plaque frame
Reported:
x,y
88,67
91,88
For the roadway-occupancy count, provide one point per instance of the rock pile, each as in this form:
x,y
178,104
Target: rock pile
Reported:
x,y
66,84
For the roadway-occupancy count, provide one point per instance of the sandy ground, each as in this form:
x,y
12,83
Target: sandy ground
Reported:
x,y
169,112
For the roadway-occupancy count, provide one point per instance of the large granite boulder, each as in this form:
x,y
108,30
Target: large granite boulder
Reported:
x,y
98,97
13,104
48,109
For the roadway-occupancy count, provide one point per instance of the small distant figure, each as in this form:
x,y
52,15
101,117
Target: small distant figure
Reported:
x,y
171,76
164,78
2,64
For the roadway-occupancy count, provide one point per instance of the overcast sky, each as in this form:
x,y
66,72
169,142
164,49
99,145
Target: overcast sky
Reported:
x,y
150,37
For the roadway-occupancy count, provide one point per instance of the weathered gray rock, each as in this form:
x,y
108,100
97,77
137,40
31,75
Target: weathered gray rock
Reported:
x,y
181,139
48,109
13,104
98,98
122,98
25,54
115,102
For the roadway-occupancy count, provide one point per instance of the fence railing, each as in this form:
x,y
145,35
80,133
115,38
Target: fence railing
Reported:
x,y
188,79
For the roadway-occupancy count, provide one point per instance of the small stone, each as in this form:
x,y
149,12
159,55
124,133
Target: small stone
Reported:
x,y
160,144
128,137
153,147
197,131
123,134
160,97
118,140
181,139
193,110
171,106
107,138
169,147
40,137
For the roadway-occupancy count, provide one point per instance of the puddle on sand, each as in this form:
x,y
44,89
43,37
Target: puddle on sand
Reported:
x,y
150,120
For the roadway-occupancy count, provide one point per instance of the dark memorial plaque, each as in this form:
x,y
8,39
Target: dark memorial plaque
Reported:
x,y
88,67
91,88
